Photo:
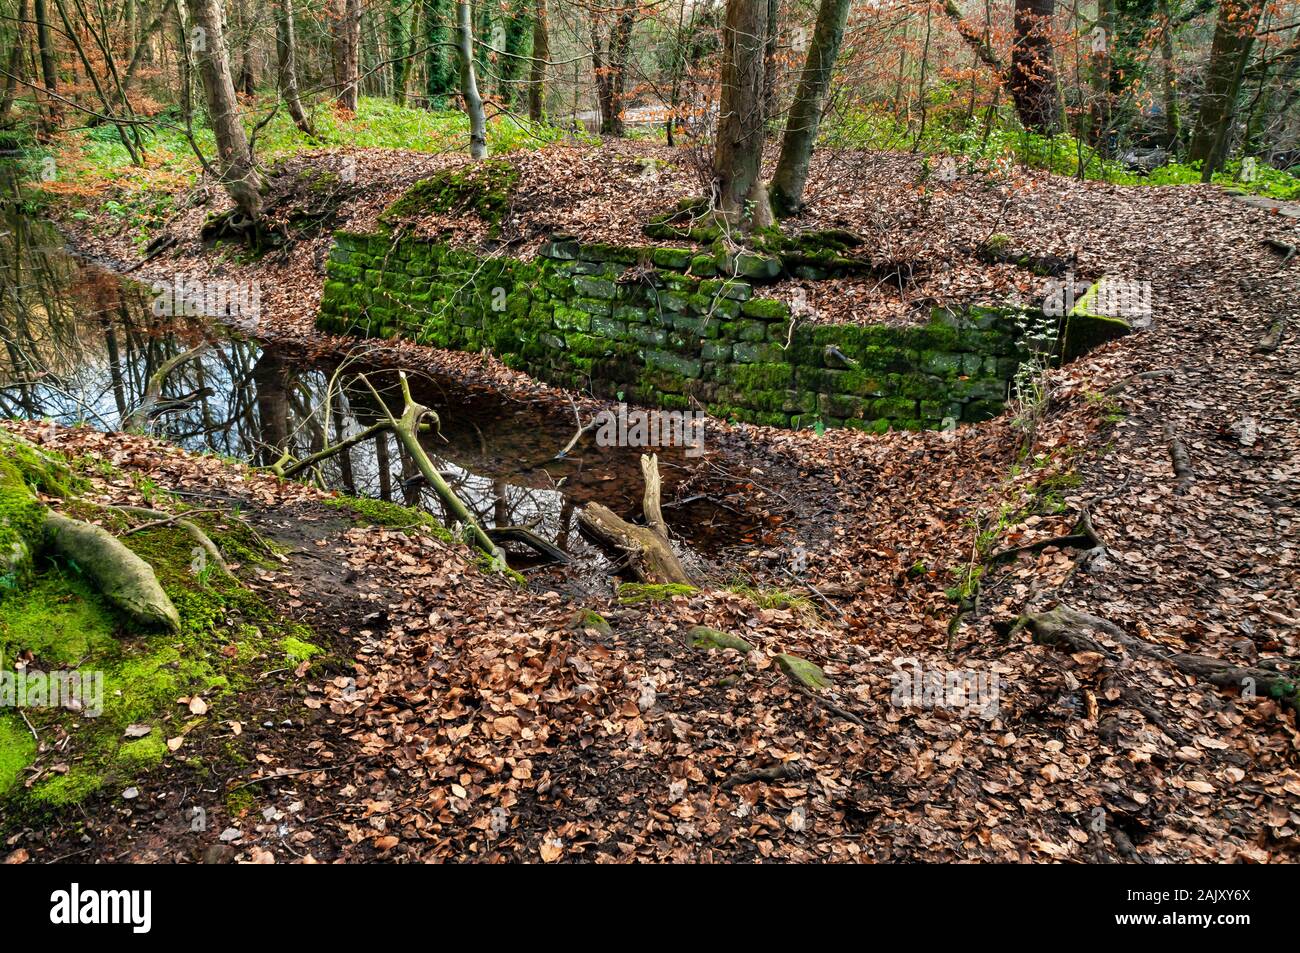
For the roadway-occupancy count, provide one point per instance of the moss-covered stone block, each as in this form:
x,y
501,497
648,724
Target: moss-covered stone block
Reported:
x,y
703,637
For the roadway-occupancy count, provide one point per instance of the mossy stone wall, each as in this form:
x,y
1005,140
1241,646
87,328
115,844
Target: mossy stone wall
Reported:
x,y
658,326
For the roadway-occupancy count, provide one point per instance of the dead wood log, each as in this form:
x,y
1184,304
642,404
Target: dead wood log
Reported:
x,y
650,555
1068,627
1121,385
1181,460
138,419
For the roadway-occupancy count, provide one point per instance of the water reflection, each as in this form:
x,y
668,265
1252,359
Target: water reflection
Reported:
x,y
81,344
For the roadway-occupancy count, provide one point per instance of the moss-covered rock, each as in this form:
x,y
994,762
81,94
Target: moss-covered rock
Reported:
x,y
483,188
803,671
703,637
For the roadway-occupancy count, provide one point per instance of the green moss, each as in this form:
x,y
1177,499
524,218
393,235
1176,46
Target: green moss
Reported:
x,y
703,637
373,512
483,188
64,790
297,650
141,754
803,671
59,620
632,593
17,749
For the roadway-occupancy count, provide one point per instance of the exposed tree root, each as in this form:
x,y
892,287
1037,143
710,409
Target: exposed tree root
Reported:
x,y
1067,627
650,554
124,579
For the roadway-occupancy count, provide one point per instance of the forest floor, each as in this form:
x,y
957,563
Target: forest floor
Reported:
x,y
482,721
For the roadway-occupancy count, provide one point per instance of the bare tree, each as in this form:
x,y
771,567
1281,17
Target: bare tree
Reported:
x,y
347,55
537,74
469,82
806,111
238,171
287,66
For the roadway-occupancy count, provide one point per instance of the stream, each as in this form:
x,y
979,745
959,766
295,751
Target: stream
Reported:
x,y
80,343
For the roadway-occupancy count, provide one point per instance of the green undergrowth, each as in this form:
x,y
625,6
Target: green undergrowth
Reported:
x,y
60,624
981,148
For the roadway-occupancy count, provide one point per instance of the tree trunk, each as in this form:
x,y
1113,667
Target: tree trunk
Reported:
x,y
609,64
510,65
1033,74
49,74
238,173
469,83
740,198
1169,79
15,62
397,42
347,43
806,111
537,74
287,65
440,76
1234,36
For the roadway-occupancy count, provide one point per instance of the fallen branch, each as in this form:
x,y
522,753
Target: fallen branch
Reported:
x,y
1182,461
1121,385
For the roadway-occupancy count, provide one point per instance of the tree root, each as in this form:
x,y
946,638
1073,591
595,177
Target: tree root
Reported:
x,y
1066,627
124,579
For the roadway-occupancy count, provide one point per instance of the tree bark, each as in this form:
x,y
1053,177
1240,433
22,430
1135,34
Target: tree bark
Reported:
x,y
1033,75
15,62
537,73
650,555
49,74
806,111
347,42
740,199
609,63
469,83
238,173
287,65
1234,37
